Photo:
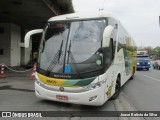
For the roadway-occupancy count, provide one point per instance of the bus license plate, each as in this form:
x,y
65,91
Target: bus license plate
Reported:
x,y
61,97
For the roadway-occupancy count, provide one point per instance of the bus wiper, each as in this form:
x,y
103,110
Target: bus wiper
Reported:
x,y
55,59
69,52
72,60
60,51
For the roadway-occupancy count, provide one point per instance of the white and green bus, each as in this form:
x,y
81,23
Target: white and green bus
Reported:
x,y
83,58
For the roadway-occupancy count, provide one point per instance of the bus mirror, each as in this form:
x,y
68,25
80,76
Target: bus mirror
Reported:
x,y
28,36
107,36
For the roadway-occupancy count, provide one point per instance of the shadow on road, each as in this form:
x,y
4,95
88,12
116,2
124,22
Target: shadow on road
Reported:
x,y
75,107
8,87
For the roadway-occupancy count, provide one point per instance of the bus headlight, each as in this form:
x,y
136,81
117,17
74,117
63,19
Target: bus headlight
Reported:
x,y
95,85
149,63
137,63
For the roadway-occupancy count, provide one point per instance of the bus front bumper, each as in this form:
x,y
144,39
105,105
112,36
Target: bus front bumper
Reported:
x,y
143,67
93,97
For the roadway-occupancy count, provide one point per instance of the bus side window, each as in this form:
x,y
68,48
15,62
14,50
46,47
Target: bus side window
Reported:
x,y
113,44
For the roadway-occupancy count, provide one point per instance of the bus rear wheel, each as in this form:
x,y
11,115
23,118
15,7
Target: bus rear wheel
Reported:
x,y
133,72
117,90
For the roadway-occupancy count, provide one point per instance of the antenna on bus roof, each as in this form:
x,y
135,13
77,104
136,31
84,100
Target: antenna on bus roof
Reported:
x,y
102,7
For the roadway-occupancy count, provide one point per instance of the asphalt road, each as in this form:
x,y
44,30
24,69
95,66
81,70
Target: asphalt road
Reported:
x,y
140,94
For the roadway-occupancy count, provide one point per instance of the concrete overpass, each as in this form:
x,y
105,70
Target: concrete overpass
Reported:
x,y
19,16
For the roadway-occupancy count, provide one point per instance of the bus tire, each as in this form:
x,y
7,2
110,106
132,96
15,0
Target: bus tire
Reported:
x,y
133,72
117,89
131,78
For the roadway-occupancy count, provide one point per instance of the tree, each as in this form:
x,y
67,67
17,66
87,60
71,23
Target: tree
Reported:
x,y
156,51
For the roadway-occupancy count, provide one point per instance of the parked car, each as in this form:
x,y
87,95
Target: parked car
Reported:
x,y
156,65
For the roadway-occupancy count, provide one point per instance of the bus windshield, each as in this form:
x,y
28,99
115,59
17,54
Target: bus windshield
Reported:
x,y
143,57
72,47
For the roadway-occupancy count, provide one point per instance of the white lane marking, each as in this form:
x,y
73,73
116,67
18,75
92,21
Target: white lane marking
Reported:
x,y
152,78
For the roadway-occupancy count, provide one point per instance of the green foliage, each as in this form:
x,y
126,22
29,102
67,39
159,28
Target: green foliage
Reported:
x,y
157,51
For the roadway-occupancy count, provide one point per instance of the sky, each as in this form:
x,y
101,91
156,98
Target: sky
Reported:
x,y
139,17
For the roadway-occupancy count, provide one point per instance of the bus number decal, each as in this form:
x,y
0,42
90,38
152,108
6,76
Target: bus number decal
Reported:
x,y
51,81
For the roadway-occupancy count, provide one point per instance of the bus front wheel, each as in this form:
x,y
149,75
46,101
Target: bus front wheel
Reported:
x,y
117,89
133,72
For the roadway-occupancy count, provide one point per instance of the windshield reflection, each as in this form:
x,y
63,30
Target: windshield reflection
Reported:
x,y
143,58
78,51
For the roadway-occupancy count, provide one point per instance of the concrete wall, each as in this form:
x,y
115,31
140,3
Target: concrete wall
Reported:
x,y
5,43
15,48
13,55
